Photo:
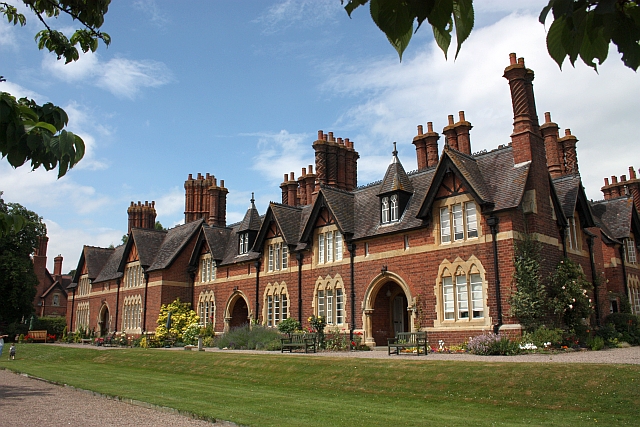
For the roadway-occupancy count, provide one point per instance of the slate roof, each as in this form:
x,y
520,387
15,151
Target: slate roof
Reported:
x,y
470,170
251,220
342,205
61,284
288,220
95,260
504,181
395,179
110,270
615,215
217,240
231,255
148,242
175,239
567,188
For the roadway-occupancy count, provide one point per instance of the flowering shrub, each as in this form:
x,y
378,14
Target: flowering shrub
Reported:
x,y
567,294
317,325
181,318
289,326
190,334
481,344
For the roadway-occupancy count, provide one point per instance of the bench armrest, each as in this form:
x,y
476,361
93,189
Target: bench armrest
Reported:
x,y
392,341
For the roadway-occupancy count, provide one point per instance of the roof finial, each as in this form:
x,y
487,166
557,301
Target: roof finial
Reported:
x,y
252,199
395,151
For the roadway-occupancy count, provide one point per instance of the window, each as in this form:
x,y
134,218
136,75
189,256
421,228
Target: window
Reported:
x,y
84,287
634,293
132,313
458,220
278,257
207,308
56,300
243,243
276,304
133,275
207,269
462,293
406,242
330,247
630,251
330,300
389,209
82,316
572,235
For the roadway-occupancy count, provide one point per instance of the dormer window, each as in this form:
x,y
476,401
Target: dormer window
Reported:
x,y
390,210
244,243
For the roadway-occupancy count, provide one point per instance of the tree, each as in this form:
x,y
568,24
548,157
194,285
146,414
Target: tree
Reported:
x,y
527,302
32,132
159,226
583,28
17,278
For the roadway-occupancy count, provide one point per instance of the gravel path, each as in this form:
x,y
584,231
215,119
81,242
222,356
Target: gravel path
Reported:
x,y
26,402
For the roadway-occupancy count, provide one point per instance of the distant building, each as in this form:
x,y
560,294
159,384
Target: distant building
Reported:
x,y
427,250
51,291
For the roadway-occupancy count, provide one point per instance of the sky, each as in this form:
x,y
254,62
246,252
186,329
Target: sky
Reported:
x,y
239,89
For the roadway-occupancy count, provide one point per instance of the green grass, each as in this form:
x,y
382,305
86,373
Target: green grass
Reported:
x,y
275,390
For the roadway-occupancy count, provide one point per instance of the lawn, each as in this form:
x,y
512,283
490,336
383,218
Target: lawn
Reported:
x,y
275,390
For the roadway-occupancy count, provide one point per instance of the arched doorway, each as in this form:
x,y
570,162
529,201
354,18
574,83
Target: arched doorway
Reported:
x,y
103,320
237,313
388,309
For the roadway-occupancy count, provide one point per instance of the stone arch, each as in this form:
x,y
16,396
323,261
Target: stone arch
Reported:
x,y
104,320
237,312
395,287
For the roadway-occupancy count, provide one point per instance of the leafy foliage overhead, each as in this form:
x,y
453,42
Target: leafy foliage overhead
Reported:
x,y
580,28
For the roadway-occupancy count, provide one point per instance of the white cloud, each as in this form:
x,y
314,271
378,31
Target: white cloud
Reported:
x,y
280,153
307,13
79,121
122,77
171,203
69,242
425,87
20,92
153,11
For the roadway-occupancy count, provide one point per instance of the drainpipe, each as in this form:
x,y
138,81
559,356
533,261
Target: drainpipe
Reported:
x,y
299,258
624,271
192,278
563,237
144,311
257,266
492,222
594,278
117,303
73,306
352,254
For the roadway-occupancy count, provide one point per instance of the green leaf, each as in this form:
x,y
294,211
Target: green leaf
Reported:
x,y
545,11
554,41
350,7
46,126
393,17
443,38
463,17
442,23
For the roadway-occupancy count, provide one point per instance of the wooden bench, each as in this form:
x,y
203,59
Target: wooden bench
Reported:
x,y
38,335
306,341
86,340
404,340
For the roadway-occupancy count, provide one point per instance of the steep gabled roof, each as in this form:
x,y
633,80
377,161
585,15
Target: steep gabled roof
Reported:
x,y
148,243
573,198
395,179
95,259
251,220
504,180
287,220
173,243
339,203
110,270
61,285
617,215
231,255
216,238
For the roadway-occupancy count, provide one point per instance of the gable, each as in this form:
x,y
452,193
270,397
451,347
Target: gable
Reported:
x,y
451,185
84,269
325,217
272,230
133,254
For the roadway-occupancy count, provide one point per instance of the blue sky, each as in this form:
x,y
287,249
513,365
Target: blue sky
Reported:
x,y
239,89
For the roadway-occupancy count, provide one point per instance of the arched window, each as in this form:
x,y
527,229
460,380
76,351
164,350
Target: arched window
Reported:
x,y
384,217
207,308
276,304
329,300
394,207
461,292
132,314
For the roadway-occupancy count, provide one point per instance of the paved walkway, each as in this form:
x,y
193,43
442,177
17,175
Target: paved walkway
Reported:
x,y
26,402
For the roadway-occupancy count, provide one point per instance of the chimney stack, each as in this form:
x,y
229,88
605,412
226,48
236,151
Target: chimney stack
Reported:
x,y
57,266
450,133
217,203
142,215
568,143
336,162
462,128
549,132
426,147
623,187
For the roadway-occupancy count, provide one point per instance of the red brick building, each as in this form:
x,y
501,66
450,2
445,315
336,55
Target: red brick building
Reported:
x,y
51,291
428,250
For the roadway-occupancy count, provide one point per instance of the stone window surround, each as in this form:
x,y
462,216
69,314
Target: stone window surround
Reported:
x,y
207,297
337,242
461,199
207,269
448,268
268,312
329,283
273,247
132,314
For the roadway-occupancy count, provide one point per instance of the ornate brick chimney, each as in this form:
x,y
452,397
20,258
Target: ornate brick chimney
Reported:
x,y
57,266
142,215
450,134
217,203
462,128
568,143
624,187
426,147
555,159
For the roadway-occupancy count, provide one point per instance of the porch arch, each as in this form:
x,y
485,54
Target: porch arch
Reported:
x,y
237,312
104,320
396,286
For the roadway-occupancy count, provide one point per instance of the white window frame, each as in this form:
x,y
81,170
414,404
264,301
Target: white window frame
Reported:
x,y
330,301
278,256
276,302
458,222
330,247
630,251
462,297
384,217
394,208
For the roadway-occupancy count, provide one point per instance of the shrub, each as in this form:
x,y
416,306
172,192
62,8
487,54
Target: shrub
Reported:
x,y
318,324
53,325
609,334
596,343
190,335
246,338
504,347
338,341
289,326
544,337
567,295
626,325
181,318
481,344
